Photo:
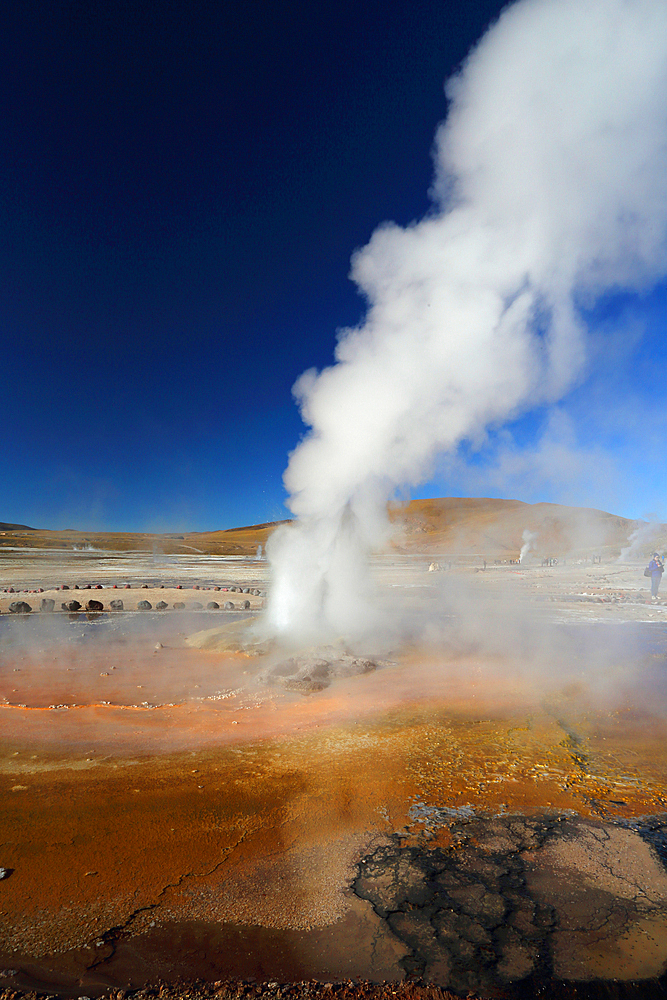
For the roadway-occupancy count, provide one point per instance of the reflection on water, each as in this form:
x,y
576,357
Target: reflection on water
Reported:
x,y
462,817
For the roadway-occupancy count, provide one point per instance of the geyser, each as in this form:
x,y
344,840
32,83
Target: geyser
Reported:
x,y
550,189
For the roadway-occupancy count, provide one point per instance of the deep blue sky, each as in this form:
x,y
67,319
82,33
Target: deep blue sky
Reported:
x,y
181,187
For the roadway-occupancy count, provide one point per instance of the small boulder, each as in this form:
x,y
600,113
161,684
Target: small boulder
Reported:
x,y
178,606
229,606
161,606
144,606
48,604
71,606
196,606
19,608
116,605
212,606
94,606
245,605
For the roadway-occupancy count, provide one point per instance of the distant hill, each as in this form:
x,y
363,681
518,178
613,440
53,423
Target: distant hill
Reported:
x,y
494,529
457,526
4,526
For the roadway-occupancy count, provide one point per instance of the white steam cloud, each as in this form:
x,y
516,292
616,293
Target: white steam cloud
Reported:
x,y
550,188
529,538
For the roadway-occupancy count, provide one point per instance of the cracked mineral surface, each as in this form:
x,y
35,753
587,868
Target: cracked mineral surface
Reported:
x,y
441,811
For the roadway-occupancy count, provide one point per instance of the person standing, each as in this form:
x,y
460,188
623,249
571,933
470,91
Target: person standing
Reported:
x,y
657,568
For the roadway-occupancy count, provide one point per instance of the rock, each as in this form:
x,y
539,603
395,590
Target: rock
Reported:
x,y
178,606
128,586
212,606
246,590
229,606
233,589
244,605
94,606
76,586
5,872
47,604
99,587
144,606
144,586
161,606
196,606
314,669
71,606
19,608
64,586
116,605
255,593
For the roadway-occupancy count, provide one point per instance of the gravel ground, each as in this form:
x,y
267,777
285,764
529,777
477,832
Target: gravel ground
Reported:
x,y
233,989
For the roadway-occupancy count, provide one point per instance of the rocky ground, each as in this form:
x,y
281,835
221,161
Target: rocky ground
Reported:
x,y
247,990
370,825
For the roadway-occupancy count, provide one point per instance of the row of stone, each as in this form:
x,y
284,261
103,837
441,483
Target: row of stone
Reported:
x,y
128,586
23,608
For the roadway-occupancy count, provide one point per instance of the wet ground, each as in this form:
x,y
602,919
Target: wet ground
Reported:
x,y
481,816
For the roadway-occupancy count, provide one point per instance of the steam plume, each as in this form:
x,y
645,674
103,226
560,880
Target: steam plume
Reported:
x,y
550,188
528,539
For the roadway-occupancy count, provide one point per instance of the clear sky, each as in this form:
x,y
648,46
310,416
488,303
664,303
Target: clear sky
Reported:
x,y
181,187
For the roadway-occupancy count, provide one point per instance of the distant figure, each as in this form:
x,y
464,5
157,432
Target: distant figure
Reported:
x,y
657,568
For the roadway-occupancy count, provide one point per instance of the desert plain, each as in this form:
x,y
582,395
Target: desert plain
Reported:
x,y
475,800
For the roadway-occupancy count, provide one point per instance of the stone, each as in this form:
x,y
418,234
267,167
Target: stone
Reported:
x,y
161,606
116,605
64,586
212,606
229,606
246,590
94,606
48,604
71,606
144,606
245,605
178,606
19,608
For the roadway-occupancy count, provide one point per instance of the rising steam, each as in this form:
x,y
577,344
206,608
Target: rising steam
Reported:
x,y
550,188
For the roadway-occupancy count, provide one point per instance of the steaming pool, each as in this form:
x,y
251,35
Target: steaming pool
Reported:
x,y
489,819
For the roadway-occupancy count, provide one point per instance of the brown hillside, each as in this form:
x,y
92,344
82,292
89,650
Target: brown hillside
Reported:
x,y
494,528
